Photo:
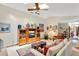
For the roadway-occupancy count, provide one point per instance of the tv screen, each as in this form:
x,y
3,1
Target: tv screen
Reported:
x,y
31,35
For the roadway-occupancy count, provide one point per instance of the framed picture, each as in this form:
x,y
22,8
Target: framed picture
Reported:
x,y
55,27
19,26
4,28
41,27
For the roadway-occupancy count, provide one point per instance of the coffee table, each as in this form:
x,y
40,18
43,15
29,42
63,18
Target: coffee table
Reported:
x,y
38,44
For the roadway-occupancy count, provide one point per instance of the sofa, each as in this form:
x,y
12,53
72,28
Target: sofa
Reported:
x,y
65,50
24,50
28,51
52,51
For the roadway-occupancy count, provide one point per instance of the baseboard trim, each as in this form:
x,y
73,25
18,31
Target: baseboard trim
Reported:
x,y
11,45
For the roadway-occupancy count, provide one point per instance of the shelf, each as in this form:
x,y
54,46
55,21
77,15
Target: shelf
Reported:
x,y
24,33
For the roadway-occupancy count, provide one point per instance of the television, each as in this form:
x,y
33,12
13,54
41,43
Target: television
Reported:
x,y
31,35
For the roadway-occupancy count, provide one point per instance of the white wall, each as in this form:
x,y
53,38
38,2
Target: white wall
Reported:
x,y
54,20
14,17
59,19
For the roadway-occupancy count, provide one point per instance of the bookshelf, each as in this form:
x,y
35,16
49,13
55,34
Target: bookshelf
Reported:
x,y
28,35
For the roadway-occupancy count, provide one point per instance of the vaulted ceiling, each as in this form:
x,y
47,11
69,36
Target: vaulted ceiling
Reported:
x,y
55,9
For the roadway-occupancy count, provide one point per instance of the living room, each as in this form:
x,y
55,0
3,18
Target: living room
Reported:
x,y
46,32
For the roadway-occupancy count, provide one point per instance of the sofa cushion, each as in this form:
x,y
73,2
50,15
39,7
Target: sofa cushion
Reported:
x,y
29,54
65,41
23,51
53,50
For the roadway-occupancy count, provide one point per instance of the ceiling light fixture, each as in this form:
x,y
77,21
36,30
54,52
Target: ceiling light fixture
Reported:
x,y
42,6
37,7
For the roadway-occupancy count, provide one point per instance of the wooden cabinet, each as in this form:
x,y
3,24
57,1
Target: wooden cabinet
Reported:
x,y
27,36
22,41
31,40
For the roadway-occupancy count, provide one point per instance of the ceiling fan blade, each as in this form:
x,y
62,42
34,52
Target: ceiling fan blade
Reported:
x,y
44,9
31,9
37,6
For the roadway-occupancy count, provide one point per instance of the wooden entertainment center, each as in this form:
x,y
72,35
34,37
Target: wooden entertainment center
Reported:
x,y
29,35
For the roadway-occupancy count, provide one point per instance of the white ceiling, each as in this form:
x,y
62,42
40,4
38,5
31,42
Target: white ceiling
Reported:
x,y
55,9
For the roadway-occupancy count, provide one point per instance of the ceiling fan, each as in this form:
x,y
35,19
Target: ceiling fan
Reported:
x,y
38,7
